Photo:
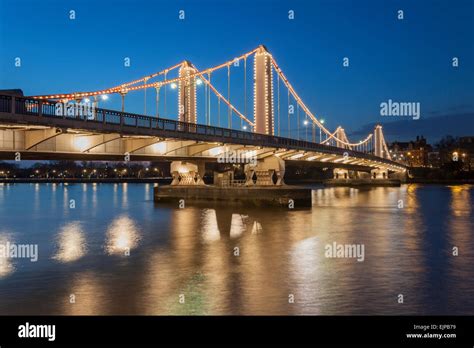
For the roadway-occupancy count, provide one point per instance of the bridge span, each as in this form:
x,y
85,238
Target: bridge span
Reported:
x,y
66,126
33,129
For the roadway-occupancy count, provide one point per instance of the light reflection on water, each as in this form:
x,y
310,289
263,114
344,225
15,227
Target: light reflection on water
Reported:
x,y
71,243
122,236
6,264
117,252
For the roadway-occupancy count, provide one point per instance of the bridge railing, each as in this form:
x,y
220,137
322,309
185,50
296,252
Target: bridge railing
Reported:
x,y
42,108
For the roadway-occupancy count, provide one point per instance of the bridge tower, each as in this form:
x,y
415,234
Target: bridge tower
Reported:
x,y
378,141
263,92
341,135
187,94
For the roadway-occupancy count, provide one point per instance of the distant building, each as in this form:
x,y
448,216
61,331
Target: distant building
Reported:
x,y
412,153
434,159
458,150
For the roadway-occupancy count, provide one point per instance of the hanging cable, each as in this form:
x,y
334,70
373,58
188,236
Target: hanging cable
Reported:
x,y
298,121
209,98
306,125
157,101
289,122
144,105
245,91
278,113
165,95
218,112
206,88
229,115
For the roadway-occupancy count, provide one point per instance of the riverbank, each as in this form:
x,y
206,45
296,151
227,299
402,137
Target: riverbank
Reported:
x,y
363,182
84,180
441,181
167,180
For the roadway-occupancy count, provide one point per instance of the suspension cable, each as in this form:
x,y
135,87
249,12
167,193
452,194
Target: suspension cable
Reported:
x,y
245,90
229,113
165,96
289,121
209,98
278,113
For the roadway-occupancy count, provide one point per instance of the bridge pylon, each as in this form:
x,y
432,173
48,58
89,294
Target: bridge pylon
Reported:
x,y
380,146
187,109
341,135
263,92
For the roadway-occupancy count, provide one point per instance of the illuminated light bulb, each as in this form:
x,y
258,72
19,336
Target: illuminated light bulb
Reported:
x,y
198,82
174,85
305,122
104,97
87,100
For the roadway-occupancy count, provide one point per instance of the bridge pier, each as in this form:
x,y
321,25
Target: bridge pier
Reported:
x,y
379,173
187,173
340,173
363,175
265,171
402,176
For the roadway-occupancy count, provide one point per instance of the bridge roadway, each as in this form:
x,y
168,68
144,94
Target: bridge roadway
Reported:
x,y
33,129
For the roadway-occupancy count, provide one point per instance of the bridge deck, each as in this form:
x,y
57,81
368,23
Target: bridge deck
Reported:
x,y
32,112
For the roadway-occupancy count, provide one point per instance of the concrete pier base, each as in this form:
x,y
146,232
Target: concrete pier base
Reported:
x,y
283,196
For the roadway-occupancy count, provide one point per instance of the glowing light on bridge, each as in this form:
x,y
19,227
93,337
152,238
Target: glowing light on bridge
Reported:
x,y
264,65
82,143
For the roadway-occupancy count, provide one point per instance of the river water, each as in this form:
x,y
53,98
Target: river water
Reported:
x,y
109,249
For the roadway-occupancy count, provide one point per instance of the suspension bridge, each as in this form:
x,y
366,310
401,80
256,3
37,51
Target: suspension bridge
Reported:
x,y
282,127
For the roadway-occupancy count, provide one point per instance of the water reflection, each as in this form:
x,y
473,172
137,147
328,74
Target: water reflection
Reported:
x,y
306,262
85,296
238,225
209,226
71,243
122,236
229,259
6,264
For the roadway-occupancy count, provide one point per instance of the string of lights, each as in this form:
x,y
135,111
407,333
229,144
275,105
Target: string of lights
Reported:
x,y
142,83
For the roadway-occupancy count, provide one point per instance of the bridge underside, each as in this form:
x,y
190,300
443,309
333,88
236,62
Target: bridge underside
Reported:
x,y
52,143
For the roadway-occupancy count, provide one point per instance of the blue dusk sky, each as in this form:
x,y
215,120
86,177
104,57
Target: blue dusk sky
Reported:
x,y
407,60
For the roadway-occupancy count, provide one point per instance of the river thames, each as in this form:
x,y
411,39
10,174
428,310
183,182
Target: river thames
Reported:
x,y
108,249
